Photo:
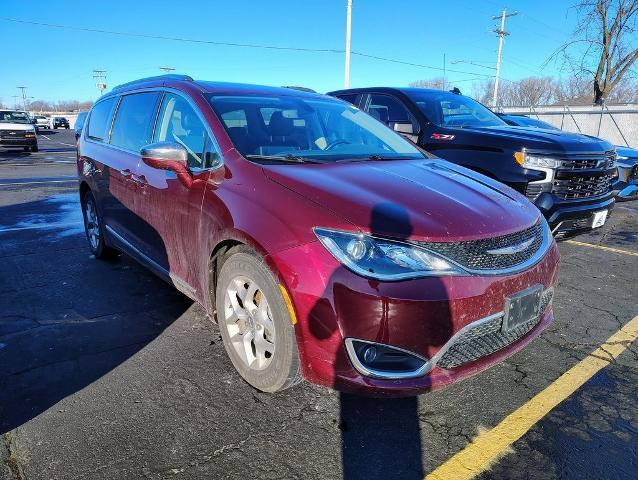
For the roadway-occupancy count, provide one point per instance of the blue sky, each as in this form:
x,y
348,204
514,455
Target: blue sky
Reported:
x,y
57,64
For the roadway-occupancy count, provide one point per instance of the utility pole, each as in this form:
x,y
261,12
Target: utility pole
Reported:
x,y
167,69
24,97
444,68
346,81
100,76
501,35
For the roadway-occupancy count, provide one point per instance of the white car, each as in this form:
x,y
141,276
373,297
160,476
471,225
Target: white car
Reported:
x,y
17,130
41,121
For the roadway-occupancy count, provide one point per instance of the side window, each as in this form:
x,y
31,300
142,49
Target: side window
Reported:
x,y
350,98
100,119
134,121
389,110
179,123
235,118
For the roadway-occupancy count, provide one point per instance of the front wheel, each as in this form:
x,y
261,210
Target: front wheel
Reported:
x,y
34,149
255,322
94,228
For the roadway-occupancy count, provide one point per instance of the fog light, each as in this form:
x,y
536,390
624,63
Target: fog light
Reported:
x,y
369,354
383,361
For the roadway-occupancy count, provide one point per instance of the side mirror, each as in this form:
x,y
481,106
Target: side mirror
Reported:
x,y
406,128
168,156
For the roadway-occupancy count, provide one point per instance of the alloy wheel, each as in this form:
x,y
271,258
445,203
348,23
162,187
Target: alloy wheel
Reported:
x,y
92,224
248,320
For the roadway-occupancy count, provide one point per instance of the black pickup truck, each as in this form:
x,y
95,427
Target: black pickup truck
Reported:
x,y
568,176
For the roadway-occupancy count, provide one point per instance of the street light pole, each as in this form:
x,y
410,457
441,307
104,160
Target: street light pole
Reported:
x,y
346,81
501,35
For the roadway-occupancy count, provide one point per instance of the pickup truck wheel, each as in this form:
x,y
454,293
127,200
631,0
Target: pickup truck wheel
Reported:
x,y
255,323
94,228
34,149
26,149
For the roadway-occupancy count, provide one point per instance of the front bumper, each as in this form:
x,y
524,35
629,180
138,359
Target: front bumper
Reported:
x,y
18,142
627,184
420,316
568,218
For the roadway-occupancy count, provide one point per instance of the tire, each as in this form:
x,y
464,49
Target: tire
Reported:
x,y
94,228
26,149
66,128
34,149
269,322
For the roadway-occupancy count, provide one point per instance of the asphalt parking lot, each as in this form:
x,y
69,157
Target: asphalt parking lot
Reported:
x,y
107,372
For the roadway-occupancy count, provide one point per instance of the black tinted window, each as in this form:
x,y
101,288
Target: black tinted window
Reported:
x,y
101,119
349,98
134,121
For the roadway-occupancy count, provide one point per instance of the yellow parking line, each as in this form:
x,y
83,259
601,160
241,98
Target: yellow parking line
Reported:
x,y
601,247
492,444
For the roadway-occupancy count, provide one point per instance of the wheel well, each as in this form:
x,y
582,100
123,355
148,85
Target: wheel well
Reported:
x,y
84,187
214,263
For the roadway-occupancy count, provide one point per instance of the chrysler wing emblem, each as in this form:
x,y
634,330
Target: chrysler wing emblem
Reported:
x,y
511,250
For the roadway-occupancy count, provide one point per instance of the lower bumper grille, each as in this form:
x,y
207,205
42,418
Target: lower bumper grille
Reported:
x,y
487,338
583,186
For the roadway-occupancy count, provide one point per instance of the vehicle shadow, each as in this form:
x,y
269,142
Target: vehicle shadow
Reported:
x,y
67,319
380,437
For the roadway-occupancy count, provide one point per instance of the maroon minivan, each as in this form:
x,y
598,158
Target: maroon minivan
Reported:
x,y
323,244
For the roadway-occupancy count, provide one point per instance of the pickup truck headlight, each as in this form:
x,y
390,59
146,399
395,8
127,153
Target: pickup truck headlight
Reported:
x,y
383,259
528,160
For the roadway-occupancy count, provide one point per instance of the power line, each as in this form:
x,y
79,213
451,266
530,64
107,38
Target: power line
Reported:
x,y
234,44
100,76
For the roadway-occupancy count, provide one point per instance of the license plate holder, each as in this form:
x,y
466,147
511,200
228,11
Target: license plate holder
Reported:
x,y
522,307
598,219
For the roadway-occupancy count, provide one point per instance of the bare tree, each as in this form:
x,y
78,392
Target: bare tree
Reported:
x,y
603,44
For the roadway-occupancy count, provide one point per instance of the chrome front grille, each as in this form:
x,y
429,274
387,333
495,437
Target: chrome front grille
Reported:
x,y
9,134
488,337
475,254
582,186
533,190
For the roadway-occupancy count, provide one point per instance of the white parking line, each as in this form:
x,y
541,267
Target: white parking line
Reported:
x,y
70,180
40,227
59,143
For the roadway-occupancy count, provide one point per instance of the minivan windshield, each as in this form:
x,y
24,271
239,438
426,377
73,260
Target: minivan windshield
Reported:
x,y
447,109
14,117
296,128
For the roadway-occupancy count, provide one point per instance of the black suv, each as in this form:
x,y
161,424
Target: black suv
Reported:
x,y
568,176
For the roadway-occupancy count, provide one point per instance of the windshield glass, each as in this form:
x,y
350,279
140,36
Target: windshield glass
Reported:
x,y
447,109
318,129
14,117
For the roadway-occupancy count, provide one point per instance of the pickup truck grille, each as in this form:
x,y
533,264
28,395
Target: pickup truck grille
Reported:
x,y
9,134
475,254
582,186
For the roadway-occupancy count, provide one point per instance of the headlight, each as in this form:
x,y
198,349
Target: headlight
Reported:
x,y
383,259
536,161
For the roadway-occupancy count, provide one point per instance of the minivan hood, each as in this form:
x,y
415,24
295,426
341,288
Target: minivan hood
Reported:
x,y
537,138
15,126
430,200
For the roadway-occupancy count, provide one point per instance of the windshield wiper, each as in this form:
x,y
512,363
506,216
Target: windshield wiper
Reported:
x,y
281,158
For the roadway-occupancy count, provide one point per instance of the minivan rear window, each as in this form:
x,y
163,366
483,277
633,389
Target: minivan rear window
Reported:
x,y
134,121
100,119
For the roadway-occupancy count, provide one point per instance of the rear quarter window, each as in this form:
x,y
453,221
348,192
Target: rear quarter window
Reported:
x,y
100,119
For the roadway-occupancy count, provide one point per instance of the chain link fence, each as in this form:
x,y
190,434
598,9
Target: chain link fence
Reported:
x,y
617,124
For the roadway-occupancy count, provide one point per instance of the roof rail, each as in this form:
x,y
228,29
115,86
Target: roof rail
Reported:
x,y
301,89
167,77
